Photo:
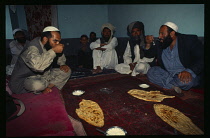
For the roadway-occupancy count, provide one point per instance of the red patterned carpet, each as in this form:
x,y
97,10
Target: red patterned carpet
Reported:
x,y
136,116
45,115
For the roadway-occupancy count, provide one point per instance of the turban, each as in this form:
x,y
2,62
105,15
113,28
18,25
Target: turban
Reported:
x,y
111,27
172,26
140,26
135,24
50,28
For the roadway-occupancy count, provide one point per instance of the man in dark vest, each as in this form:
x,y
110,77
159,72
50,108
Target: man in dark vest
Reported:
x,y
41,65
137,60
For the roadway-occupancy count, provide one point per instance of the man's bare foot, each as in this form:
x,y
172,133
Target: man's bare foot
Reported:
x,y
47,90
140,74
96,71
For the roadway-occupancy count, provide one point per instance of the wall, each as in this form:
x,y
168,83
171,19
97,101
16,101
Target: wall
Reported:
x,y
188,17
75,20
21,17
21,20
8,24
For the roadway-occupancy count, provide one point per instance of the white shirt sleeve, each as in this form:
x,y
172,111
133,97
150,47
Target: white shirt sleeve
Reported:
x,y
95,44
112,44
137,54
15,48
36,61
62,60
127,55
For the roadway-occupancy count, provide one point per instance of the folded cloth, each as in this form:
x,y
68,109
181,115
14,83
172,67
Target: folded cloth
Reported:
x,y
78,127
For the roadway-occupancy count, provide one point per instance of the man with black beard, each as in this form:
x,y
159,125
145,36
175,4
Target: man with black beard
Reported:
x,y
137,60
180,58
16,46
34,70
104,53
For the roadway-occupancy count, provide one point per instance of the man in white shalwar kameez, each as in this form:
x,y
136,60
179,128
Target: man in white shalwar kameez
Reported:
x,y
104,53
136,58
16,46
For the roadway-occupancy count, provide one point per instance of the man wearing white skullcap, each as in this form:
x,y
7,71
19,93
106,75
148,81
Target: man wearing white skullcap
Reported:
x,y
104,53
180,59
16,46
41,65
172,26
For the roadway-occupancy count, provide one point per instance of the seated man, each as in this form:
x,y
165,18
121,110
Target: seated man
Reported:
x,y
180,58
85,59
104,54
16,46
137,60
92,37
33,71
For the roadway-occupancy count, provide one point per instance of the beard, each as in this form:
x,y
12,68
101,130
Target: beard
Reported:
x,y
106,39
166,42
136,39
21,40
47,46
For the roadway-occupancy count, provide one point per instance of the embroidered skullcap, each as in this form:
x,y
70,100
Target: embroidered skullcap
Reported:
x,y
50,28
172,26
15,30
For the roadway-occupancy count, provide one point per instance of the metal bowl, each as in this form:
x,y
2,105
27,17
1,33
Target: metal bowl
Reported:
x,y
106,90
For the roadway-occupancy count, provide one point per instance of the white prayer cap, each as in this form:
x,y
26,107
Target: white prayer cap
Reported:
x,y
172,26
14,31
50,28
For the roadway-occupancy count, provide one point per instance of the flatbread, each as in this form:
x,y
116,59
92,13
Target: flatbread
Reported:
x,y
177,120
91,112
153,96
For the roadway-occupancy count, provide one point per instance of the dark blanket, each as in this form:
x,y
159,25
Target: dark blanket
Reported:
x,y
136,116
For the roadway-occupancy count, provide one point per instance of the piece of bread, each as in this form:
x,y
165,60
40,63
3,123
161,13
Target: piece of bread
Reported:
x,y
153,96
91,112
177,120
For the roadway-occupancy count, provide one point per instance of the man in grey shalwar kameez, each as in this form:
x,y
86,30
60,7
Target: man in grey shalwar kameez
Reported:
x,y
41,65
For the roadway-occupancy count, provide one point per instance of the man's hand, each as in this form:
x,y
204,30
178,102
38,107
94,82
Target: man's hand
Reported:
x,y
64,68
58,48
149,40
132,66
101,45
99,48
185,77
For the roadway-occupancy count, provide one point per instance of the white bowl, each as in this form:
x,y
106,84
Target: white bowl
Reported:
x,y
116,130
78,92
144,85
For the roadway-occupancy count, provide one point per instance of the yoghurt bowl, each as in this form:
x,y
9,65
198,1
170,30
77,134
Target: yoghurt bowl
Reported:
x,y
116,131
